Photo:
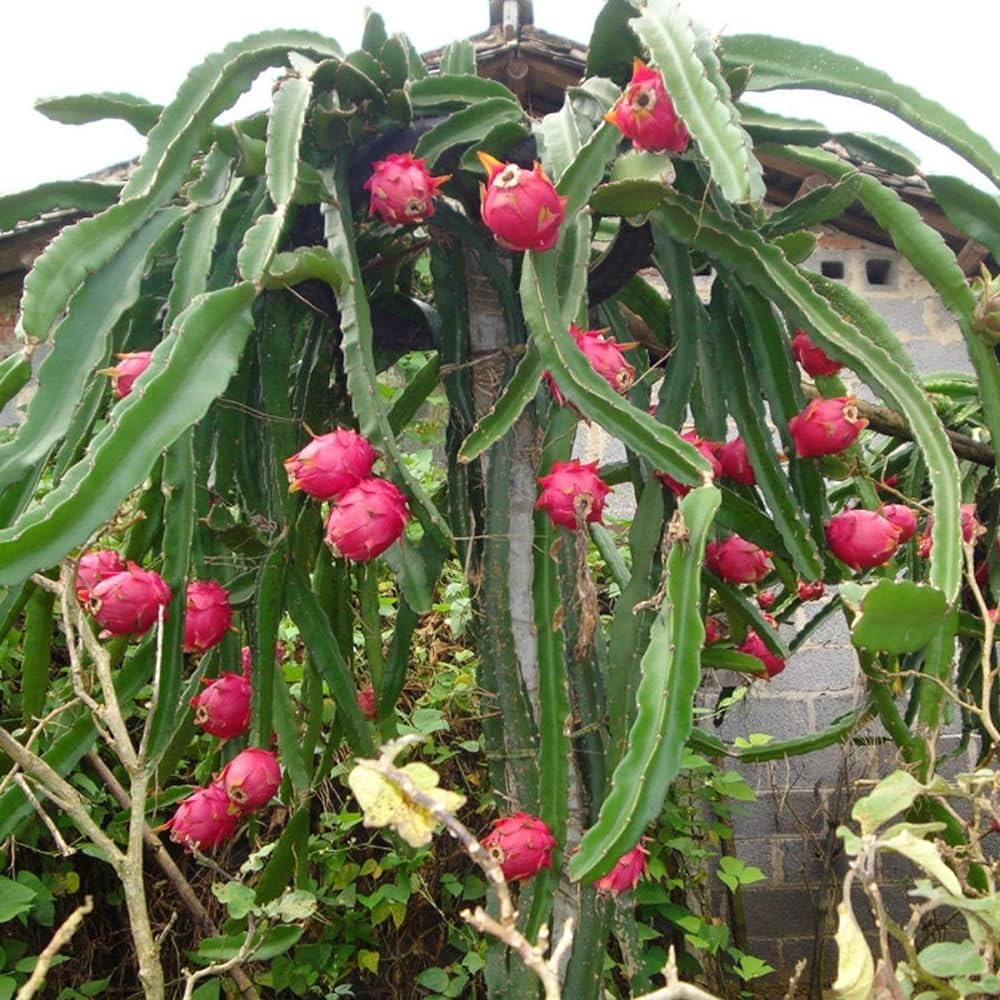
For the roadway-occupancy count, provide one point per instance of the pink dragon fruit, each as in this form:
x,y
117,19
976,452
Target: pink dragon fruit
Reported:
x,y
645,113
813,359
128,603
251,778
713,632
522,844
402,189
93,567
366,702
811,590
862,538
972,528
207,615
366,520
605,357
520,207
826,426
128,369
735,463
766,599
905,518
625,875
331,464
707,448
204,819
572,493
223,708
737,560
753,645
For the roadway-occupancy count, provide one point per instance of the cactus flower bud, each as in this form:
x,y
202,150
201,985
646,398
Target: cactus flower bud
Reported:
x,y
813,359
402,189
737,560
572,493
128,603
645,113
251,778
203,820
862,538
128,369
366,520
826,427
520,207
708,449
331,464
93,567
811,590
753,645
207,615
223,708
713,632
522,845
986,315
905,518
625,875
735,463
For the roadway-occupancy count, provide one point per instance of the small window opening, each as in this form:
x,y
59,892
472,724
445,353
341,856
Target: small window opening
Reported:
x,y
832,269
878,271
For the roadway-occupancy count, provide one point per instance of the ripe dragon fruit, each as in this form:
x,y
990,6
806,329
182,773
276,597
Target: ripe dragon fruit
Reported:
x,y
645,113
826,427
223,708
737,560
207,615
520,207
862,538
813,359
766,599
706,448
366,520
331,464
972,528
366,702
605,357
572,493
905,518
402,189
204,819
128,603
128,369
735,463
713,631
753,645
93,567
625,875
522,844
251,778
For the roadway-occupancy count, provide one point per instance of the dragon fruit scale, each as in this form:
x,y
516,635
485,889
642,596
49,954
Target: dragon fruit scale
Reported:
x,y
366,520
93,567
520,207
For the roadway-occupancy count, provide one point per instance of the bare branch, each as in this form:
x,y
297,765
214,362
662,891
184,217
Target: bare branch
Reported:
x,y
59,940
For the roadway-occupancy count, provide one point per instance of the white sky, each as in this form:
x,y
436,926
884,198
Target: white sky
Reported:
x,y
54,48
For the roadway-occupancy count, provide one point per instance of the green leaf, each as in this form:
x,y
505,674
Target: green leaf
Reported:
x,y
899,616
691,73
782,63
187,371
80,344
892,795
855,965
722,658
456,89
626,198
15,899
952,958
36,654
664,699
271,942
974,212
923,853
82,109
468,125
325,655
210,89
83,196
302,264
